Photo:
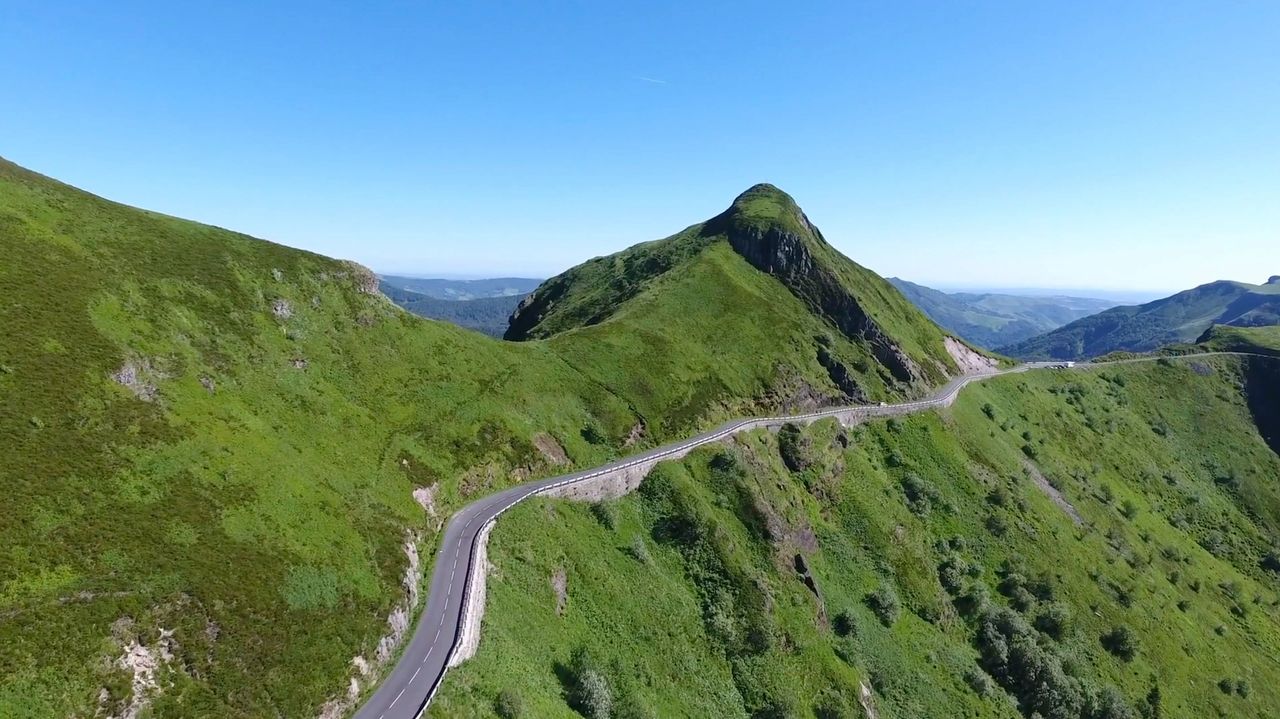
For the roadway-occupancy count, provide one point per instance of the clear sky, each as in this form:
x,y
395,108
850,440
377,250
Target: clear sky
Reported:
x,y
1015,144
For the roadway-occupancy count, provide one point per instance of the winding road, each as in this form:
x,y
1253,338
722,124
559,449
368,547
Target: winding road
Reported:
x,y
410,686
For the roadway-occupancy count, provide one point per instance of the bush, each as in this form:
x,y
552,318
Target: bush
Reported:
x,y
884,602
509,705
921,494
1054,620
606,514
1122,642
639,550
845,624
989,410
833,704
589,692
593,434
980,682
795,448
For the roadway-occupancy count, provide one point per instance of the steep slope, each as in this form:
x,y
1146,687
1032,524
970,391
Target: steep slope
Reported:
x,y
760,255
1078,545
225,461
483,314
994,320
1178,318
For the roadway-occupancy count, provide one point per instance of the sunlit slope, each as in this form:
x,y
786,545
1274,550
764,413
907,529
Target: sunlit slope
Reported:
x,y
1081,545
217,436
754,282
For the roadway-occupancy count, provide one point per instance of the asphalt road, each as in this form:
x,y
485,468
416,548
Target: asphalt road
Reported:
x,y
409,688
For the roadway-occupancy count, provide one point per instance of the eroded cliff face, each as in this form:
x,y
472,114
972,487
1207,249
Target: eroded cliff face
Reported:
x,y
779,250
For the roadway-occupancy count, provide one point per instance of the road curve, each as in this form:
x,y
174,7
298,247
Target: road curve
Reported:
x,y
409,688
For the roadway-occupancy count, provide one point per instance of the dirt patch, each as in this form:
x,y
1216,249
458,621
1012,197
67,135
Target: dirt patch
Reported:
x,y
1052,492
969,361
550,449
636,434
560,585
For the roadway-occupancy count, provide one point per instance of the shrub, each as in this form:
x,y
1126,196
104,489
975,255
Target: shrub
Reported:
x,y
639,550
921,494
1054,620
606,514
589,692
1242,688
795,448
1129,509
1122,642
845,624
989,410
1226,686
979,681
885,603
593,434
509,705
832,703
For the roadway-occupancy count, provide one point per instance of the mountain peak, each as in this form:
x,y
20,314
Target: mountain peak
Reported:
x,y
760,210
1272,280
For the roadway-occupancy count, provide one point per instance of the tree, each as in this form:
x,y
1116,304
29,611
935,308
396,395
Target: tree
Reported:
x,y
884,602
589,692
1122,642
509,705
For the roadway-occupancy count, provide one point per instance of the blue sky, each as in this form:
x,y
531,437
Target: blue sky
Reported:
x,y
1080,144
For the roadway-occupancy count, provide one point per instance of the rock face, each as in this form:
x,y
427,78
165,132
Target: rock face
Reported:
x,y
779,248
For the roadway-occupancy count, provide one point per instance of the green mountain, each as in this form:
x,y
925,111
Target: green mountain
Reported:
x,y
755,269
225,463
443,289
1089,544
483,314
994,320
223,458
1180,318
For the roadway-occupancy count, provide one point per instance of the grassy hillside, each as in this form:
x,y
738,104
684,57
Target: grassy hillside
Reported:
x,y
1221,338
1180,318
995,320
762,255
1077,544
483,314
212,444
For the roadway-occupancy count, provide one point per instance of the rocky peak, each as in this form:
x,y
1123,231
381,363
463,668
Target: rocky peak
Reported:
x,y
1273,280
768,229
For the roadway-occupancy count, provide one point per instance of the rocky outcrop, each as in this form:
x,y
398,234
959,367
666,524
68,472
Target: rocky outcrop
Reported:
x,y
784,253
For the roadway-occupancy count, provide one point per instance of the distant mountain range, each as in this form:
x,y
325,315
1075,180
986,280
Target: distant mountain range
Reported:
x,y
443,289
487,314
1182,317
993,320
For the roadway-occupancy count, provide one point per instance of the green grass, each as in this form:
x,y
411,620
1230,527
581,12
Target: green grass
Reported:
x,y
254,496
817,285
1163,462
